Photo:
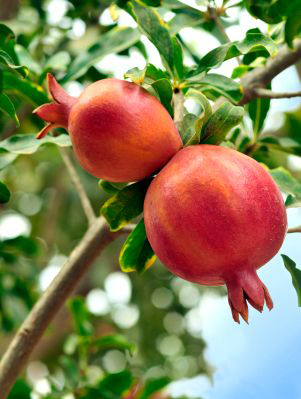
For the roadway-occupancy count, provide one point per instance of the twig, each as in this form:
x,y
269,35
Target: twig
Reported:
x,y
32,329
220,27
266,93
294,229
261,77
79,187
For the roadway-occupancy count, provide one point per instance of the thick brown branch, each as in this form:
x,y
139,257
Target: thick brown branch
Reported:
x,y
294,229
266,93
261,77
18,352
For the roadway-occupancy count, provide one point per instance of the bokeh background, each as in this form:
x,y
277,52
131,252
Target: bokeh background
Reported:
x,y
181,330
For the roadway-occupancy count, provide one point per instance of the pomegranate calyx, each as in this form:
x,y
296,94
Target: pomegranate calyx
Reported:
x,y
247,287
56,113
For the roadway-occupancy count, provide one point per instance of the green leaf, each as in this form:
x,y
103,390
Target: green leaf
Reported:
x,y
81,318
20,390
28,144
153,3
191,125
288,184
239,71
293,26
190,129
154,385
221,122
113,341
148,75
214,85
114,41
253,41
136,253
152,25
271,12
58,61
296,275
258,110
164,89
178,58
124,206
111,188
6,158
6,62
116,383
31,91
8,107
4,193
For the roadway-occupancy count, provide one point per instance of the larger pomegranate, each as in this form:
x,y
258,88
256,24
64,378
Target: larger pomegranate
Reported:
x,y
119,131
213,216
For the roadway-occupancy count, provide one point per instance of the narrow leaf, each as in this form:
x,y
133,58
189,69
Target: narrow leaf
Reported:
x,y
136,253
296,275
114,41
28,144
214,86
125,205
80,317
4,193
152,25
253,41
164,89
154,385
258,110
8,107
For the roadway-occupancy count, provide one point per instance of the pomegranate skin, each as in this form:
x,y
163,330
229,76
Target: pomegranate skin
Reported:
x,y
213,216
119,131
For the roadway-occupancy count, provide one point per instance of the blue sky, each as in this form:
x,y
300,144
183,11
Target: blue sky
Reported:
x,y
259,360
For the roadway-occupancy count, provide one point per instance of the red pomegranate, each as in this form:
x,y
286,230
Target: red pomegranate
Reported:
x,y
119,131
214,216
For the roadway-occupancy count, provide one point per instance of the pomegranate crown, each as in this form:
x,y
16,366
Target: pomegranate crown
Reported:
x,y
55,113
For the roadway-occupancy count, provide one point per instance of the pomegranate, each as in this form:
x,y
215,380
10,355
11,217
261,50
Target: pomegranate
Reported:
x,y
213,216
119,131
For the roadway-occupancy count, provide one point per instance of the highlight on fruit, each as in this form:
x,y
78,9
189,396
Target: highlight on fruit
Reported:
x,y
119,131
214,216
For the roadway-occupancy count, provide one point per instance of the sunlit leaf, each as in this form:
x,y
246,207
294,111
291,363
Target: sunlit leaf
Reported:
x,y
28,144
221,122
152,25
253,41
214,85
136,253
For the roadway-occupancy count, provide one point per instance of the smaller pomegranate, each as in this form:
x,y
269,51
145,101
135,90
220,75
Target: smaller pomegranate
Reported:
x,y
214,216
119,131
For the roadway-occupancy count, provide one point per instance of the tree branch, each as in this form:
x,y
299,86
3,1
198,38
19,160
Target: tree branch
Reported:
x,y
32,329
266,93
261,77
294,229
79,187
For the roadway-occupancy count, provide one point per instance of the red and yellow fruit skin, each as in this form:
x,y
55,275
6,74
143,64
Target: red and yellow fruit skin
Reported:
x,y
119,131
213,216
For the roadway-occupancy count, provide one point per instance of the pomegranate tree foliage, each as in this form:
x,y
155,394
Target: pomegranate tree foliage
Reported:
x,y
34,183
